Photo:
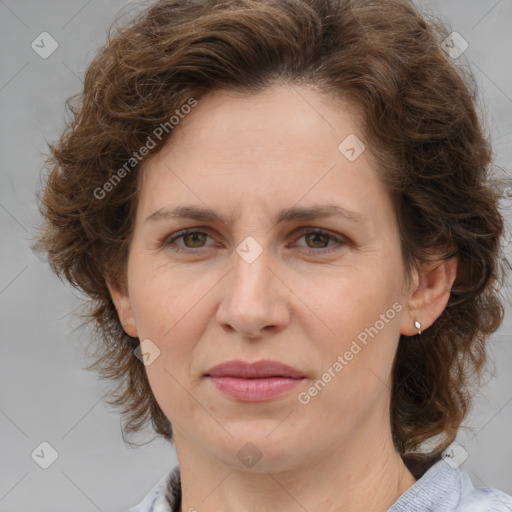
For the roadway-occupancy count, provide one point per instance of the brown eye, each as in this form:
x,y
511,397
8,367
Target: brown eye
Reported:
x,y
317,240
193,240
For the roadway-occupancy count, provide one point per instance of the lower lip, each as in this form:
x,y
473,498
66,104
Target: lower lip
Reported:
x,y
255,390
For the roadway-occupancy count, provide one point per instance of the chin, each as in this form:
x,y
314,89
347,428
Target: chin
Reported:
x,y
260,449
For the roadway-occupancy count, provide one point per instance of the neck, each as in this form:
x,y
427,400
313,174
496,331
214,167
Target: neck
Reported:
x,y
366,475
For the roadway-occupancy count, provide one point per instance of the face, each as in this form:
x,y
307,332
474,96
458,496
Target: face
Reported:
x,y
325,294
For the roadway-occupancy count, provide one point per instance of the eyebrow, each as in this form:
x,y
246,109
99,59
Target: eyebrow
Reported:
x,y
286,215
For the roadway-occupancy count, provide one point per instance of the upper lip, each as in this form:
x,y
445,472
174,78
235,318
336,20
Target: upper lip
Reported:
x,y
258,369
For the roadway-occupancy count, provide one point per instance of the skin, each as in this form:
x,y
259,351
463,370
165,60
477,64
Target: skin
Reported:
x,y
246,157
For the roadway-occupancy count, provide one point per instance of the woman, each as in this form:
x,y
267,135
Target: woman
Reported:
x,y
282,214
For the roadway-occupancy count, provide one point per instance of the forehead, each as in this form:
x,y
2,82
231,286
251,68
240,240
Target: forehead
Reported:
x,y
274,148
275,119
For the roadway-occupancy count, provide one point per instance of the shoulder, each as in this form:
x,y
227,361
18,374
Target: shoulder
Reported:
x,y
479,500
444,488
165,496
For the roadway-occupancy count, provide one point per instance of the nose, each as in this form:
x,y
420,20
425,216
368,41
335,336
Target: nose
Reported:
x,y
254,297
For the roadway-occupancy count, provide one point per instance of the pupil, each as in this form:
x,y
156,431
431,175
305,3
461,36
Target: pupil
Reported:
x,y
193,235
316,235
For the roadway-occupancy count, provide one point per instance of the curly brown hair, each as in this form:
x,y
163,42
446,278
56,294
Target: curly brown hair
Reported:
x,y
420,121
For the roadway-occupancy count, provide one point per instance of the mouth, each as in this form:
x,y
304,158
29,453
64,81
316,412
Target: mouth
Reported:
x,y
254,382
259,370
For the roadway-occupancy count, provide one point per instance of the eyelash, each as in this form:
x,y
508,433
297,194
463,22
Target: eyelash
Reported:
x,y
168,242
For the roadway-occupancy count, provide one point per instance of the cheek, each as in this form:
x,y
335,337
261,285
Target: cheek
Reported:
x,y
356,365
363,312
164,297
173,399
166,312
353,303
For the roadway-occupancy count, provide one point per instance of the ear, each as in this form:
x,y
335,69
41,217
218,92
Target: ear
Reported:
x,y
429,295
123,306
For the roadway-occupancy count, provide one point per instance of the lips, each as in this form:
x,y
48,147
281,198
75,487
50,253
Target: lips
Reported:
x,y
254,382
258,370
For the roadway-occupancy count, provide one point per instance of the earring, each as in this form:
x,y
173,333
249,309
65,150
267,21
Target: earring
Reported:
x,y
418,326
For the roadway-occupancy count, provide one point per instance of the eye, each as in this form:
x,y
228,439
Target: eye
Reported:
x,y
194,240
189,236
318,237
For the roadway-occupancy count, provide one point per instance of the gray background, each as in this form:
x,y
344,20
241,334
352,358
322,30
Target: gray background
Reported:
x,y
44,393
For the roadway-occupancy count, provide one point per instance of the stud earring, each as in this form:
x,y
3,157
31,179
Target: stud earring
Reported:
x,y
418,326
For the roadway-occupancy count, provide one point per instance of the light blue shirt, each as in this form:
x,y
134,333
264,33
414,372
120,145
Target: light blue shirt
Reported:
x,y
442,488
